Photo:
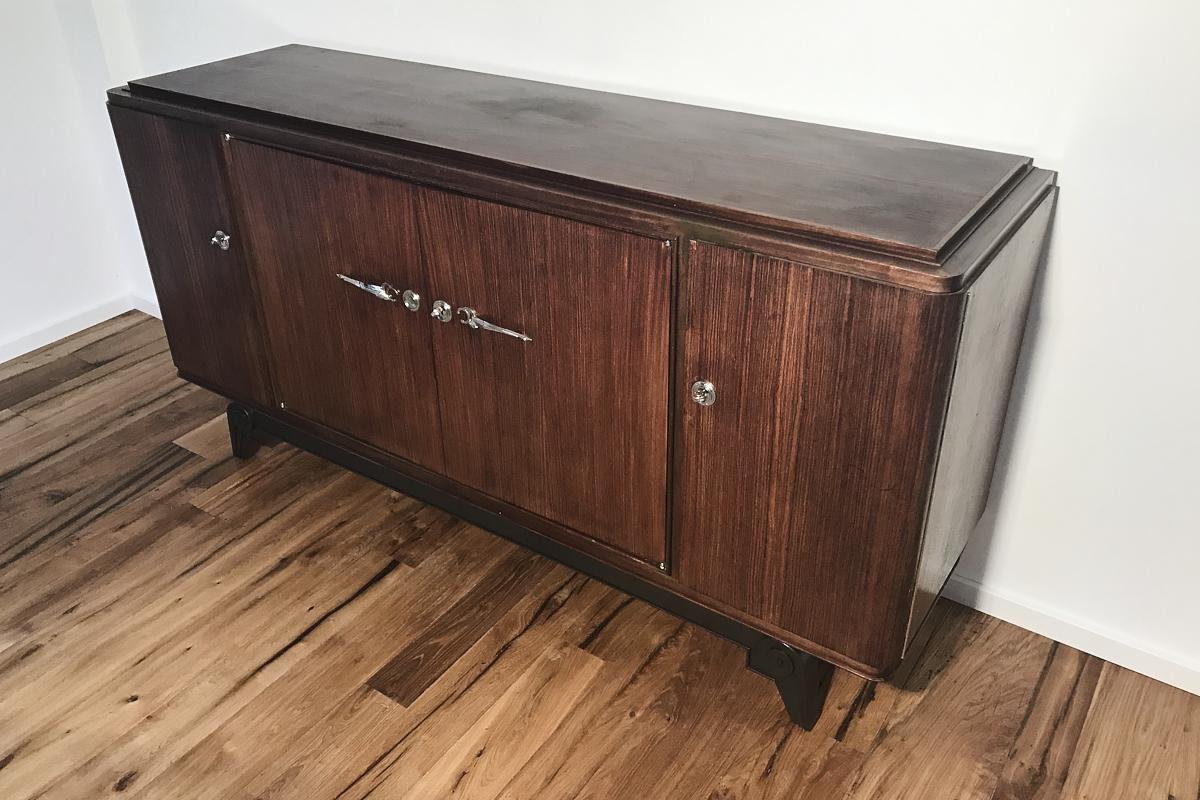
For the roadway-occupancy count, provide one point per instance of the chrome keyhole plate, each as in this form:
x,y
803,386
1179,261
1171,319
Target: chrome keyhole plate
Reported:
x,y
220,239
704,393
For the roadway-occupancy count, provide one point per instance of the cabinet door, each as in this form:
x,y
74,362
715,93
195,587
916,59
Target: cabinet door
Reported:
x,y
571,425
801,490
176,180
340,355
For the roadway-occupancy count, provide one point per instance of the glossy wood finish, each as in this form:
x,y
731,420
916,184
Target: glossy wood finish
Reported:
x,y
181,624
176,179
800,494
572,425
802,502
517,187
339,355
993,327
895,195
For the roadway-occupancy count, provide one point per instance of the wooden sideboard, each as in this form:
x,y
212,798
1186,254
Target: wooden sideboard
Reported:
x,y
750,370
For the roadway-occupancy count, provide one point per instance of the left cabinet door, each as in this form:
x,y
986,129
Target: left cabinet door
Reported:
x,y
353,357
176,181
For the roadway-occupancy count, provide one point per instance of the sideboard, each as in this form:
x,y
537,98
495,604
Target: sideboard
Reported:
x,y
750,370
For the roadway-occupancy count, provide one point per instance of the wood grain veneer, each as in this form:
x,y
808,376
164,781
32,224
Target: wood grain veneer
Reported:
x,y
892,194
572,425
800,494
176,180
340,356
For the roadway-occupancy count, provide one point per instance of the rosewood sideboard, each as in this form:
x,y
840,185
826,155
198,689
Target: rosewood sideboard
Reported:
x,y
750,370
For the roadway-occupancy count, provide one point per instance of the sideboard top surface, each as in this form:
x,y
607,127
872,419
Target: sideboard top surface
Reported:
x,y
898,196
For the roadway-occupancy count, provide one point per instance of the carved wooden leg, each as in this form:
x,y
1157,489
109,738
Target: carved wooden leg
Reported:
x,y
802,680
241,430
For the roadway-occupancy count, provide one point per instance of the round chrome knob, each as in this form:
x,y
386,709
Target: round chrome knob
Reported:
x,y
704,393
412,300
442,311
220,239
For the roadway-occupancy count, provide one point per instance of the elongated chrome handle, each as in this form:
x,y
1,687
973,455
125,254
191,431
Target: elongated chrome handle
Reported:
x,y
384,291
474,321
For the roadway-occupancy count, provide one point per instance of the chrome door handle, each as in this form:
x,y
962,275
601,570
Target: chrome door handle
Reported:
x,y
384,291
474,321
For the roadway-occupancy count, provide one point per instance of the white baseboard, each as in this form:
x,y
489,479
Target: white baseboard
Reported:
x,y
145,306
28,342
1084,635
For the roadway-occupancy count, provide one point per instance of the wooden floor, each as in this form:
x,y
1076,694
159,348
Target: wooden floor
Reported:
x,y
178,624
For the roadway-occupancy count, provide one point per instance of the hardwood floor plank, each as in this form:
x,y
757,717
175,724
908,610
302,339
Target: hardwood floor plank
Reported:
x,y
89,393
56,350
67,517
177,623
1040,758
209,441
243,636
265,486
58,436
780,763
73,595
861,722
417,666
236,754
160,739
426,528
736,743
447,710
697,695
127,527
1141,741
951,733
627,705
485,759
324,760
99,459
11,423
185,595
147,331
62,488
34,381
252,495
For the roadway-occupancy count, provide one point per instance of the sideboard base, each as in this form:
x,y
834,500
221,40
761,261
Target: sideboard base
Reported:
x,y
241,430
802,679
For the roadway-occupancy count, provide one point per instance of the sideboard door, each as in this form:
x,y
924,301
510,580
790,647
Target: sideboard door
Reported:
x,y
341,355
176,181
571,425
801,489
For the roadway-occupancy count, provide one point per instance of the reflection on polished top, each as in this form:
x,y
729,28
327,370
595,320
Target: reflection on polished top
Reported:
x,y
894,195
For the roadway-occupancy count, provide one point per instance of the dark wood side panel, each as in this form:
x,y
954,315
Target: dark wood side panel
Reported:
x,y
176,180
341,356
800,493
572,425
997,306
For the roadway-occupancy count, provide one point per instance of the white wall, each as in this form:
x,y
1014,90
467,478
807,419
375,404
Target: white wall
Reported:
x,y
66,244
1092,534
